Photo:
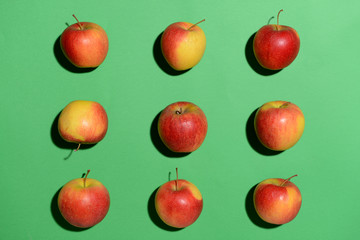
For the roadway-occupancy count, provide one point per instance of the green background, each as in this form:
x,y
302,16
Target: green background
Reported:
x,y
134,85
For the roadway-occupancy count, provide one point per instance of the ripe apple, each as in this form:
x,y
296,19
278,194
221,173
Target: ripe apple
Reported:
x,y
183,45
178,203
276,46
84,44
277,201
83,122
84,202
182,127
279,125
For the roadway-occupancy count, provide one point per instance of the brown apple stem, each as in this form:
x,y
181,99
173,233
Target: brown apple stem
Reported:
x,y
178,112
77,148
177,178
87,173
195,24
277,25
81,28
287,180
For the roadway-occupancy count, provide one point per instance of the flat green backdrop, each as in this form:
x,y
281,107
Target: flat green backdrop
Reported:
x,y
134,85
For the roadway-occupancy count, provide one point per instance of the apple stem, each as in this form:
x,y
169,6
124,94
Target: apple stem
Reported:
x,y
287,180
195,24
81,28
178,112
77,148
87,173
177,178
277,25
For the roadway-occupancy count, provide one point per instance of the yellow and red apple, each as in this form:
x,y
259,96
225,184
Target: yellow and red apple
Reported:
x,y
83,122
276,46
84,44
277,200
182,127
279,125
84,202
183,45
178,203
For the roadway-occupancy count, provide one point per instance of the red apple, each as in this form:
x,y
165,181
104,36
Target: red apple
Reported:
x,y
178,203
277,201
84,44
182,127
183,45
84,202
276,46
279,125
83,122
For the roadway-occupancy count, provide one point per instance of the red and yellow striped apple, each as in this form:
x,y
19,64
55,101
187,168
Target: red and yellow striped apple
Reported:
x,y
277,200
182,127
83,122
279,125
183,45
178,203
276,46
84,44
84,202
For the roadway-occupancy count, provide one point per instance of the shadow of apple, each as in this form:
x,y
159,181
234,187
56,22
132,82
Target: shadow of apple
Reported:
x,y
253,63
253,139
161,61
59,219
158,143
251,212
155,217
64,62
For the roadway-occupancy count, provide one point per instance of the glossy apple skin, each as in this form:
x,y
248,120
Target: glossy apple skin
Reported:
x,y
178,208
276,46
86,47
183,48
185,131
81,206
277,204
83,122
279,125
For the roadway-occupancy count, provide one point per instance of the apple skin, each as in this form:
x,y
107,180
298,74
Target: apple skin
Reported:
x,y
85,46
180,206
83,122
182,47
81,206
182,127
276,46
277,201
279,125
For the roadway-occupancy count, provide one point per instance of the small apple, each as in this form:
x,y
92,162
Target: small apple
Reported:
x,y
83,122
277,201
182,127
83,202
84,44
178,203
279,125
276,46
183,45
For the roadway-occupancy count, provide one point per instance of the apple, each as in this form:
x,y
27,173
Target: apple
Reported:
x,y
279,125
83,122
178,203
84,44
276,46
183,45
277,201
182,127
84,202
